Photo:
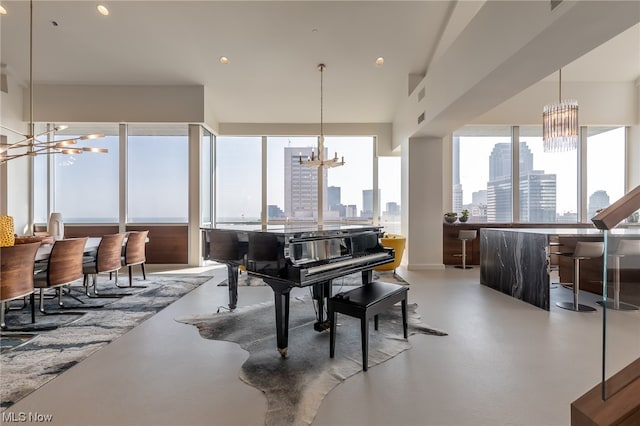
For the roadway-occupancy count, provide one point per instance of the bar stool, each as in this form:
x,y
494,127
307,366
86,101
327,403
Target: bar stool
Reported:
x,y
464,236
583,250
625,248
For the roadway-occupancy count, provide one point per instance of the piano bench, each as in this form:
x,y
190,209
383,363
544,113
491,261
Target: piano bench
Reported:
x,y
365,302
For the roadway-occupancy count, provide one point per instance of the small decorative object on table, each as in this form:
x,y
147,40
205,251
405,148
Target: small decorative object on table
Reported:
x,y
56,226
464,215
450,217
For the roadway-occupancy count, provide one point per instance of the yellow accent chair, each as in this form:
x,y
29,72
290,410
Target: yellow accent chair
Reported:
x,y
397,242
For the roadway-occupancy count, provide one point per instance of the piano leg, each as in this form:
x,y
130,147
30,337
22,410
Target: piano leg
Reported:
x,y
281,293
367,276
320,292
232,282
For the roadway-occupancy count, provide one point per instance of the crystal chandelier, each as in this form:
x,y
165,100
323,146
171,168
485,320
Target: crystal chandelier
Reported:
x,y
560,124
318,161
31,144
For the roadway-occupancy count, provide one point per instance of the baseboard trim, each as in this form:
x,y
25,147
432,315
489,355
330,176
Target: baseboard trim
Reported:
x,y
425,267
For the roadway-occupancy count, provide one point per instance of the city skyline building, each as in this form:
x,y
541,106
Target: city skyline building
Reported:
x,y
457,186
538,197
597,200
301,185
334,197
537,188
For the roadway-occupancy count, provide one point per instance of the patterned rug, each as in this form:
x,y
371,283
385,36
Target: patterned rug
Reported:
x,y
245,279
296,386
29,360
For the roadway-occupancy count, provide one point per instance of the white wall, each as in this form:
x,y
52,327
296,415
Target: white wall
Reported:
x,y
119,104
14,176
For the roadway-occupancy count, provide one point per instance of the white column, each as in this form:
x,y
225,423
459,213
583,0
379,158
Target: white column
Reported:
x,y
195,138
633,157
122,195
422,196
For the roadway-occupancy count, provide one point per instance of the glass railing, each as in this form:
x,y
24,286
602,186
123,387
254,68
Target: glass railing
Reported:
x,y
621,293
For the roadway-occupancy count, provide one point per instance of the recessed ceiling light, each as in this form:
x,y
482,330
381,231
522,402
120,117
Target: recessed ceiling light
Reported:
x,y
224,60
3,11
379,61
102,10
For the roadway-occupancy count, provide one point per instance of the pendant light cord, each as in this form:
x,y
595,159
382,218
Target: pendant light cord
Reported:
x,y
560,85
321,68
31,123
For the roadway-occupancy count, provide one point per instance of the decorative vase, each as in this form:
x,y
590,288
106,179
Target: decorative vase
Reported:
x,y
7,232
463,218
56,226
450,219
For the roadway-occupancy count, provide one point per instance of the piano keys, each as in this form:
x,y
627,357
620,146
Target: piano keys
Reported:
x,y
286,257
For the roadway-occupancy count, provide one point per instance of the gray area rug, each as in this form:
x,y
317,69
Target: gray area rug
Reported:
x,y
28,362
296,386
245,279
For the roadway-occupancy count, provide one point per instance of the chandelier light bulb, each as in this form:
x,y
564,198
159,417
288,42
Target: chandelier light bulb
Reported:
x,y
102,9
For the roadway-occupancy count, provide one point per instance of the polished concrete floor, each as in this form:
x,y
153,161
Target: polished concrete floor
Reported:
x,y
504,363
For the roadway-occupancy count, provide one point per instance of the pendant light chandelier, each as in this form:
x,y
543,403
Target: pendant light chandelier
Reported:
x,y
318,161
31,144
560,123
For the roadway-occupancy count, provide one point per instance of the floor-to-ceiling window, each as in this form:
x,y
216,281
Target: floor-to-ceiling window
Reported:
x,y
605,170
238,182
350,192
206,179
482,173
549,183
389,170
85,186
291,187
157,174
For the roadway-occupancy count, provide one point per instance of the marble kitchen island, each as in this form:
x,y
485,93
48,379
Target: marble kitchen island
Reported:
x,y
515,261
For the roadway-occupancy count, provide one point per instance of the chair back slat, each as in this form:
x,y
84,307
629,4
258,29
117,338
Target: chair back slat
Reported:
x,y
16,270
108,257
134,249
65,261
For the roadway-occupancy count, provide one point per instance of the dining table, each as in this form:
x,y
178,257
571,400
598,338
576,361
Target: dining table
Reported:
x,y
45,249
91,246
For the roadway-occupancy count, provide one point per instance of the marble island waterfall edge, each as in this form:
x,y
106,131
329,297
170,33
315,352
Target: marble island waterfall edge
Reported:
x,y
516,263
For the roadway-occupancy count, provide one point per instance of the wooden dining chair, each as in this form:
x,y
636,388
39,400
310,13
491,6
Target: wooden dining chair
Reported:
x,y
63,267
106,259
135,254
16,276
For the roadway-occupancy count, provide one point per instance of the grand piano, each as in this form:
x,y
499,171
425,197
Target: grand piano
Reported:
x,y
286,257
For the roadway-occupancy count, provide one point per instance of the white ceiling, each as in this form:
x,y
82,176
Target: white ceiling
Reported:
x,y
273,47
